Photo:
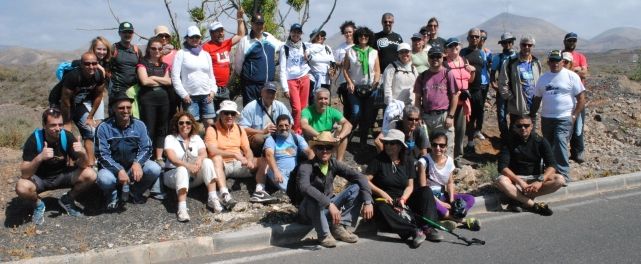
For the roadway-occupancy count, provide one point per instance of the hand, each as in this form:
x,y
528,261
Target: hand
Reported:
x,y
449,122
367,211
286,95
187,99
335,213
210,98
401,202
494,85
375,84
136,170
271,128
123,178
77,146
350,87
90,122
532,188
523,184
388,199
198,164
47,152
278,177
240,13
241,158
191,168
337,139
470,68
250,164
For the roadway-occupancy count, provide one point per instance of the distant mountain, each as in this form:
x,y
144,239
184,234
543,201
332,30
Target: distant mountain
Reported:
x,y
616,38
12,55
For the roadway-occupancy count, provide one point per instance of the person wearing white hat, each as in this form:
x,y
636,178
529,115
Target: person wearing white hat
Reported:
x,y
219,49
399,77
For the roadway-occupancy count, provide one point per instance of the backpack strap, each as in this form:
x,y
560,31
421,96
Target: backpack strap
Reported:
x,y
39,135
286,51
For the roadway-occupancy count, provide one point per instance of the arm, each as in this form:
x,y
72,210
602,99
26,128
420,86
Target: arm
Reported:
x,y
307,128
175,75
536,103
580,105
348,79
422,173
309,153
283,70
377,73
144,79
65,105
165,80
240,28
213,88
271,161
388,80
378,192
346,128
407,192
451,189
97,100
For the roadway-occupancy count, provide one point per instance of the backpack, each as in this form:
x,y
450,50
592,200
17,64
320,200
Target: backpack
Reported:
x,y
39,135
294,194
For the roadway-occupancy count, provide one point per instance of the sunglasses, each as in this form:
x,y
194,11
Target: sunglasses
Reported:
x,y
229,113
527,45
432,25
155,48
324,147
435,57
435,145
194,37
184,123
413,119
390,143
474,36
164,36
522,126
90,63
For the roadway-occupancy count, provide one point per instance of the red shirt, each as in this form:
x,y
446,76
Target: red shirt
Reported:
x,y
220,54
579,60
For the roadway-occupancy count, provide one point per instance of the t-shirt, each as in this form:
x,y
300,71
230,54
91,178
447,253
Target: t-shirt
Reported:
x,y
387,44
527,81
59,163
417,140
578,59
220,58
321,121
437,41
285,150
476,59
437,177
173,142
389,177
434,88
227,140
420,61
523,157
253,115
157,95
339,56
83,88
558,92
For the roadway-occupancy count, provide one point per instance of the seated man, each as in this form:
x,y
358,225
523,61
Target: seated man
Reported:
x,y
228,146
123,149
521,177
321,117
316,184
283,150
46,166
415,135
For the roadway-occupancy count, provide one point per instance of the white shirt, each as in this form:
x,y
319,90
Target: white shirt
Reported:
x,y
193,75
438,177
293,67
355,69
320,57
399,83
173,142
558,93
339,56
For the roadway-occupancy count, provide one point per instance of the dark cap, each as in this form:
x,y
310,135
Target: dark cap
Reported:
x,y
435,50
321,33
258,18
296,26
125,26
451,41
555,55
119,97
417,36
269,86
571,35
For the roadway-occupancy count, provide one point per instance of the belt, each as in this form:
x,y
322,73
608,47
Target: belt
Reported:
x,y
436,112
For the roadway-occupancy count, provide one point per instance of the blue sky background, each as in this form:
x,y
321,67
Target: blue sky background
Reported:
x,y
55,24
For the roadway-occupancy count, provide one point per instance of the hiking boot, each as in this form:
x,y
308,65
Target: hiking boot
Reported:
x,y
342,234
38,216
69,205
327,241
215,205
432,235
160,163
262,197
449,224
578,158
542,209
419,238
472,224
183,215
514,207
228,202
479,135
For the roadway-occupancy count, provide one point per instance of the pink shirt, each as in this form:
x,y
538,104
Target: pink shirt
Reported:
x,y
435,89
579,60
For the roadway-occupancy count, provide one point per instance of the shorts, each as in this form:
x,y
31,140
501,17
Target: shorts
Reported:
x,y
200,108
80,117
235,169
60,181
527,178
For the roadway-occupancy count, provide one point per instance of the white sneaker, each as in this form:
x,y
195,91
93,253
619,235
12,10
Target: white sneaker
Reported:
x,y
479,135
215,204
183,215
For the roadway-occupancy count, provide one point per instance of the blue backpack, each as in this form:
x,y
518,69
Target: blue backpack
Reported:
x,y
39,135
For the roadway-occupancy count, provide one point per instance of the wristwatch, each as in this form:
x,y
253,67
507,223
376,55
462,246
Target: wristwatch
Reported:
x,y
368,202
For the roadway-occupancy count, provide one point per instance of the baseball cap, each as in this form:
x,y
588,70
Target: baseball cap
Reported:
x,y
435,50
322,33
507,36
571,35
403,46
568,56
555,55
193,31
296,26
161,30
528,39
258,18
269,86
125,26
215,25
417,36
451,41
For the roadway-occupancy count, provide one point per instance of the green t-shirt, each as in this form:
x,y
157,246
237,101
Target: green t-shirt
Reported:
x,y
420,61
324,121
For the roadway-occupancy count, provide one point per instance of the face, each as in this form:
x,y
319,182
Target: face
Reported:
x,y
184,125
523,127
417,44
228,117
319,39
155,50
89,64
392,147
474,37
295,35
570,44
348,34
194,40
322,101
126,36
258,27
122,110
567,64
435,60
507,45
483,38
164,38
53,127
526,48
453,49
439,146
432,28
100,50
387,23
283,128
363,40
404,56
412,120
324,152
268,96
217,35
555,65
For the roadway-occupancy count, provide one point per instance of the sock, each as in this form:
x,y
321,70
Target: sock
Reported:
x,y
182,205
224,190
213,195
260,187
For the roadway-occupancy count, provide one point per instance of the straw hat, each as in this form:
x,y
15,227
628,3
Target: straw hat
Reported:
x,y
324,138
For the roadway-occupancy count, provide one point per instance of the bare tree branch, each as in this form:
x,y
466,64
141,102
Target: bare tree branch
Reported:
x,y
96,29
112,12
173,22
326,20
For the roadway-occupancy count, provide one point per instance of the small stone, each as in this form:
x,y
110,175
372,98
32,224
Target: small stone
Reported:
x,y
63,248
110,245
39,232
257,205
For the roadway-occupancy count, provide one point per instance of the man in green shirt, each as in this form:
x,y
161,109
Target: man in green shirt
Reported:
x,y
320,117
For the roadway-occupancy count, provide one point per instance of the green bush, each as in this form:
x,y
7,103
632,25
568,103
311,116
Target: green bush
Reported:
x,y
635,75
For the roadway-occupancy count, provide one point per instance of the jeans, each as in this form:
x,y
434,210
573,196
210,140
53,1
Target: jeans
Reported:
x,y
107,181
558,131
298,99
576,141
351,105
346,201
200,108
285,173
501,116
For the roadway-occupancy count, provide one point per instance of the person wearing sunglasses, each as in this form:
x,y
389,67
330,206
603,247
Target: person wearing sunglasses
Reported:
x,y
436,172
168,54
124,58
476,57
193,78
416,138
508,53
561,96
82,92
46,166
391,176
579,65
521,176
331,213
517,78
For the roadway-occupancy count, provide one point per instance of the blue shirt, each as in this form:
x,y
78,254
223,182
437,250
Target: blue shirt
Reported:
x,y
498,60
285,150
527,80
254,117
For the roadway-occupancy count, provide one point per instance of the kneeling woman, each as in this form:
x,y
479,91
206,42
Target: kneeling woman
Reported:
x,y
187,157
391,175
435,171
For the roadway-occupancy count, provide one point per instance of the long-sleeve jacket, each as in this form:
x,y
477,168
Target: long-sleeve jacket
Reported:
x,y
193,75
293,67
254,59
511,88
117,149
313,183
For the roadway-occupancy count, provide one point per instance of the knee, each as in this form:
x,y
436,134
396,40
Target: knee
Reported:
x,y
87,175
152,169
503,182
218,161
25,187
106,180
207,164
559,180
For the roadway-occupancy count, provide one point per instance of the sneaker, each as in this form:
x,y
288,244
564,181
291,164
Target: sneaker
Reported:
x,y
69,205
327,241
542,209
38,216
342,234
228,202
479,135
448,224
215,205
472,224
183,215
262,197
113,204
432,235
514,207
158,196
419,238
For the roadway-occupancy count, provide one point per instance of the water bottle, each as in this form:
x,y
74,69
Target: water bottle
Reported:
x,y
124,195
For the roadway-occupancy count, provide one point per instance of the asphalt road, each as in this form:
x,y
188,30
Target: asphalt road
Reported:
x,y
598,229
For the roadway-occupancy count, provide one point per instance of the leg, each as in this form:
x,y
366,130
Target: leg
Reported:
x,y
386,217
481,113
422,202
88,143
459,131
365,120
261,166
178,179
501,116
295,96
348,203
81,180
551,185
576,142
562,133
26,189
107,182
509,189
311,211
219,169
150,174
342,147
207,111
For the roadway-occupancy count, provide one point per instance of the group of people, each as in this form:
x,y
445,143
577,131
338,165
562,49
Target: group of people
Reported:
x,y
433,89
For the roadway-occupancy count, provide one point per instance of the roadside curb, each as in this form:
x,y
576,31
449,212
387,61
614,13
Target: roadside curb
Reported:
x,y
261,237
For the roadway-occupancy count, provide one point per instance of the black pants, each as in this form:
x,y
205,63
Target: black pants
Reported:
x,y
251,90
421,204
156,118
477,101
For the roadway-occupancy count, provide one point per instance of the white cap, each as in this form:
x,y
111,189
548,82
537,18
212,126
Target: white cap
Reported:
x,y
193,31
228,106
567,56
215,25
404,46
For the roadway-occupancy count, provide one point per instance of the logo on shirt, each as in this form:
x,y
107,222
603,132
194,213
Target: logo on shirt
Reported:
x,y
222,57
384,42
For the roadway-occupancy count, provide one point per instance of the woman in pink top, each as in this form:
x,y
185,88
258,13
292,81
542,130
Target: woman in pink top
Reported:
x,y
464,75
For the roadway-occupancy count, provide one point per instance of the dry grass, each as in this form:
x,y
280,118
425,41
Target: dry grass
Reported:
x,y
14,132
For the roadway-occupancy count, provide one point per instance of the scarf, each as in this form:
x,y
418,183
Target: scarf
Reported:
x,y
363,57
193,49
295,45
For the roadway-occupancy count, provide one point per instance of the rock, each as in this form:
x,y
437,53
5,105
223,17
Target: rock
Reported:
x,y
110,245
597,118
240,207
256,205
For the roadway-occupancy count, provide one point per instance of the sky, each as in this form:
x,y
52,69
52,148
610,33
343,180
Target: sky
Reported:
x,y
66,25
